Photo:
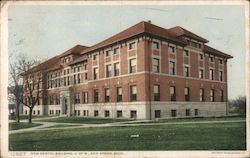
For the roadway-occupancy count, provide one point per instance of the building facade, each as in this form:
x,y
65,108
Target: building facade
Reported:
x,y
143,72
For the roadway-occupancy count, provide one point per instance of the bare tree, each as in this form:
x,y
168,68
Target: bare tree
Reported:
x,y
15,88
30,88
32,92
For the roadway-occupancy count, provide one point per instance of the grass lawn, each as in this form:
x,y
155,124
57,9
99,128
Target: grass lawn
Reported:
x,y
21,125
214,136
227,118
83,120
25,117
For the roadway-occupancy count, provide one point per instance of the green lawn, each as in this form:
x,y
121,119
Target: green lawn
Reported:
x,y
21,125
83,120
214,136
227,118
25,117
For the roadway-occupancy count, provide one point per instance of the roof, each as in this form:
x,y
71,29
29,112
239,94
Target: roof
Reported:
x,y
75,50
179,31
214,51
142,27
54,63
44,65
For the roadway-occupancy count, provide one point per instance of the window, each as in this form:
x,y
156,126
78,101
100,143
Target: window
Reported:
x,y
187,96
26,112
196,112
133,114
57,99
68,80
132,66
202,94
74,79
107,94
195,44
156,45
106,113
186,71
221,95
34,112
96,96
94,56
59,82
116,69
211,59
85,112
133,93
56,82
38,112
77,98
186,53
86,76
107,53
119,113
131,46
172,68
171,49
74,69
108,70
220,61
119,94
173,113
78,112
85,66
201,74
96,113
157,113
65,81
156,93
85,97
95,73
211,74
220,75
212,99
172,93
116,50
199,45
156,65
78,78
187,112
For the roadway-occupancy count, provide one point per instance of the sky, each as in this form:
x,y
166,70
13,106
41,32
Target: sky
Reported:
x,y
43,31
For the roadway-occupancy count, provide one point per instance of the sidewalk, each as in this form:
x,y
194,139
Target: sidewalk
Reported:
x,y
45,125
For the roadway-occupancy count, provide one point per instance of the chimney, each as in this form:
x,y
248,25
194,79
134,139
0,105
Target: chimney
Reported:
x,y
149,21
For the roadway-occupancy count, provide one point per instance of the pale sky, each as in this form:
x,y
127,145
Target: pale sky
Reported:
x,y
45,31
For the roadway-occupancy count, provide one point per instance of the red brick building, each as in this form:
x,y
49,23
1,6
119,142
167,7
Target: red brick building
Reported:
x,y
143,72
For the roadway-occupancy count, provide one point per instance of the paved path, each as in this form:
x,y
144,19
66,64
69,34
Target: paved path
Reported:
x,y
45,125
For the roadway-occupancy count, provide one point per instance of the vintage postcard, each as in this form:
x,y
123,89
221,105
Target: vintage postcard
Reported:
x,y
124,79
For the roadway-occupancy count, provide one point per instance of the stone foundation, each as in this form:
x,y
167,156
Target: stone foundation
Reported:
x,y
142,109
